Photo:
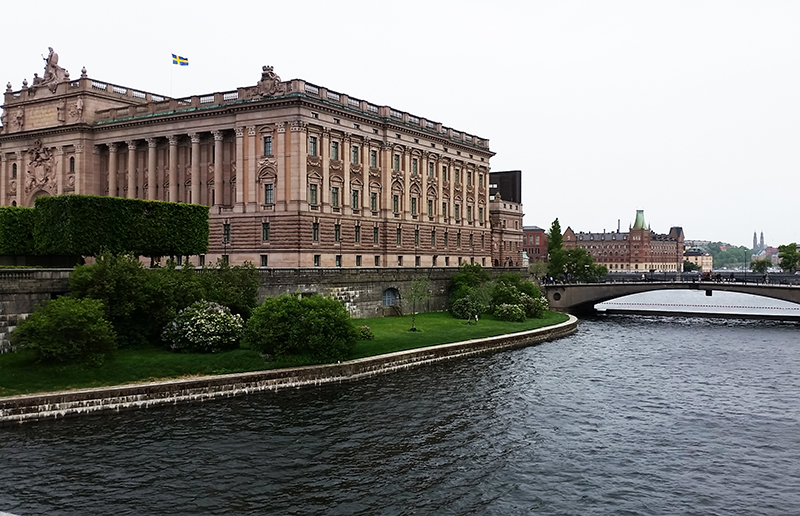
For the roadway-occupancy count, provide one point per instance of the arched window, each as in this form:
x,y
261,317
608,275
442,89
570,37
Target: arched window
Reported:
x,y
391,297
14,171
72,164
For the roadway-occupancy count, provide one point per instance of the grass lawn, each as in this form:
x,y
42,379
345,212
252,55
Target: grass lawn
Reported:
x,y
20,374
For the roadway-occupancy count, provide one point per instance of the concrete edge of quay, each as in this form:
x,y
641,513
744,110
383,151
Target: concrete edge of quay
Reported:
x,y
56,405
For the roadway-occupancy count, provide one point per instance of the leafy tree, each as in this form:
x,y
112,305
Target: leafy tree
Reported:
x,y
514,279
469,277
538,270
67,329
760,266
466,308
726,255
557,256
555,237
579,265
689,266
315,326
789,257
419,292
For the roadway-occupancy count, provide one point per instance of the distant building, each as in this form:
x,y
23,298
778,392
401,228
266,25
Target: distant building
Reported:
x,y
505,215
699,257
640,249
534,243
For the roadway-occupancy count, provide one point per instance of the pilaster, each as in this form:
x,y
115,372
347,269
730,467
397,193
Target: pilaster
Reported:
x,y
152,176
252,161
239,206
218,181
195,169
173,168
59,162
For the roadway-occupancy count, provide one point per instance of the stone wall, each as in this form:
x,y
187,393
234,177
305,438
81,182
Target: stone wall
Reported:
x,y
22,290
20,409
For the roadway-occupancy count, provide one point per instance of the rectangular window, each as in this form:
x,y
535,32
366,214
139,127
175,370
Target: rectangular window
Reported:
x,y
416,261
358,260
444,173
482,241
480,180
470,239
264,260
536,239
430,208
312,145
269,193
457,213
396,203
377,261
414,166
469,213
434,260
458,176
373,158
316,260
416,237
373,201
312,194
226,232
399,236
357,236
433,238
430,170
335,151
338,260
445,238
444,209
265,231
469,178
315,232
335,196
399,261
413,206
268,146
354,154
337,232
355,200
396,162
480,215
458,239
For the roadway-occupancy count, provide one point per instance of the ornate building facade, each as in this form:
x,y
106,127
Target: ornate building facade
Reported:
x,y
640,249
294,174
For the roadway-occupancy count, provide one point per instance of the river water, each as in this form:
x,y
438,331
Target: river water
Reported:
x,y
630,416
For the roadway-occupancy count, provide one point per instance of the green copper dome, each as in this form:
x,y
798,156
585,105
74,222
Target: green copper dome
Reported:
x,y
639,224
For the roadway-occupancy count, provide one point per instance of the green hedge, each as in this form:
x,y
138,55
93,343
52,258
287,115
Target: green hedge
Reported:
x,y
16,230
86,225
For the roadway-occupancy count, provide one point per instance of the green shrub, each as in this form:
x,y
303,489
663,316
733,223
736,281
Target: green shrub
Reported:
x,y
314,326
87,225
505,294
535,307
16,230
513,279
67,330
235,287
204,327
513,313
365,333
466,308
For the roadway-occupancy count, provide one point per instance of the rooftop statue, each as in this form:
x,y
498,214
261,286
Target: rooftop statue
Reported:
x,y
270,84
53,74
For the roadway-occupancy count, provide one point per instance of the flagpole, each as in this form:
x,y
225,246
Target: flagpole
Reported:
x,y
170,80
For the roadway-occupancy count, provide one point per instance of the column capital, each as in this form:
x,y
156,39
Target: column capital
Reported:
x,y
60,150
151,142
112,147
280,127
96,149
239,132
217,135
173,140
195,137
18,154
131,145
3,157
251,130
78,148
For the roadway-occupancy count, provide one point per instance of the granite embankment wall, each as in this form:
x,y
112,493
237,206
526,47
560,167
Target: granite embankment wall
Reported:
x,y
20,409
360,289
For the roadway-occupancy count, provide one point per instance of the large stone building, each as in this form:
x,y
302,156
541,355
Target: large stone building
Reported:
x,y
294,174
640,249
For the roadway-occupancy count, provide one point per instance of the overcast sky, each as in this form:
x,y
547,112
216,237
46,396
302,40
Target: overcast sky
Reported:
x,y
686,109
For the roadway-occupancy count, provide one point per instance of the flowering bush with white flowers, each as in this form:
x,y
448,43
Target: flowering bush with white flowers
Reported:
x,y
204,327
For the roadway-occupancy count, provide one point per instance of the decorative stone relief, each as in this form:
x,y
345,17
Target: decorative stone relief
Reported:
x,y
18,122
314,161
270,84
356,168
41,170
268,161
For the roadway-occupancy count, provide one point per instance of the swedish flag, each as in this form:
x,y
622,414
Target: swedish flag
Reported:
x,y
178,60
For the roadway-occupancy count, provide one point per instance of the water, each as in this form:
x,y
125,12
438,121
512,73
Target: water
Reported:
x,y
631,416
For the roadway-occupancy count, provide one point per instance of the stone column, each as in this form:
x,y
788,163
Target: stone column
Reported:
x,y
81,182
347,143
196,180
281,153
218,181
3,177
252,161
173,168
152,176
59,162
239,207
20,179
113,162
131,169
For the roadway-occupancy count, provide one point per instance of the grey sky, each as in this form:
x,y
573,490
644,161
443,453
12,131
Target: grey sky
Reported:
x,y
687,110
